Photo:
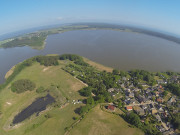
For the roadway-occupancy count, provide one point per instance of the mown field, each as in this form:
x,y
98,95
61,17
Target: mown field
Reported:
x,y
64,88
99,122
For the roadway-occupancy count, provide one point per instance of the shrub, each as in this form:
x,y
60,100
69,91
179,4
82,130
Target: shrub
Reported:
x,y
75,118
22,85
86,91
40,89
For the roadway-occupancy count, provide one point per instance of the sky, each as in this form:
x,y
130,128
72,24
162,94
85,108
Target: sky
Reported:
x,y
23,14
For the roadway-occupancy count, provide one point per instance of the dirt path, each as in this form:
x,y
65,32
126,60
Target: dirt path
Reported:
x,y
46,68
164,125
81,81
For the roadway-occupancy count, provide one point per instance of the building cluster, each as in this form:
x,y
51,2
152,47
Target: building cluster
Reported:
x,y
149,102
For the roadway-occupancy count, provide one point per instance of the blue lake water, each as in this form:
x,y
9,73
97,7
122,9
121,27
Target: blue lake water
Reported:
x,y
121,50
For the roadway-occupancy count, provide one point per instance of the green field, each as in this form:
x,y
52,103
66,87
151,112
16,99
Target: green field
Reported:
x,y
48,77
64,88
98,122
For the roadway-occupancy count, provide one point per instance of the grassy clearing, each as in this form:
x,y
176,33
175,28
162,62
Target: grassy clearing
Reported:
x,y
98,66
48,77
98,122
61,118
157,78
52,76
167,97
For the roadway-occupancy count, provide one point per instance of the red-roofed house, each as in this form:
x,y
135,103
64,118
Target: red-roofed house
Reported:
x,y
129,108
111,107
160,100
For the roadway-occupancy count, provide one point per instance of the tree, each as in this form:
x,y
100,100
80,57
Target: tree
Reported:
x,y
86,91
75,118
100,98
90,100
22,85
140,86
123,73
47,60
174,88
71,57
153,98
165,93
120,104
134,119
115,72
176,121
84,109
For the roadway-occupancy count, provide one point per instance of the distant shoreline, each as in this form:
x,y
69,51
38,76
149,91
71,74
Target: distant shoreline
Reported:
x,y
37,40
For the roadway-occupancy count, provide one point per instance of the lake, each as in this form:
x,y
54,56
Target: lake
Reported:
x,y
121,50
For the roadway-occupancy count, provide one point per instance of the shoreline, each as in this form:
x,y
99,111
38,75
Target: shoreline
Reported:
x,y
10,71
99,66
126,29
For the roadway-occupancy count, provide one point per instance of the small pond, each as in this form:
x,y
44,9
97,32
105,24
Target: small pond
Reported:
x,y
37,106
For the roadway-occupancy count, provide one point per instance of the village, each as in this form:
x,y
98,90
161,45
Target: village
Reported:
x,y
149,102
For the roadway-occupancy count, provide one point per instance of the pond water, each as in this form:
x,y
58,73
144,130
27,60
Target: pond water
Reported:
x,y
37,106
121,50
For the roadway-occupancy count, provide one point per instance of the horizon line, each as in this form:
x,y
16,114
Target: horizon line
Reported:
x,y
50,26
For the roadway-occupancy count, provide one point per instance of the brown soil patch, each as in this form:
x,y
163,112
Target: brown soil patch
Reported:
x,y
10,72
98,66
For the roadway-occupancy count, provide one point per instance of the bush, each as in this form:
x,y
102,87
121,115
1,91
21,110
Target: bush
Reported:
x,y
86,91
40,89
22,85
115,72
134,119
16,71
84,109
47,116
75,118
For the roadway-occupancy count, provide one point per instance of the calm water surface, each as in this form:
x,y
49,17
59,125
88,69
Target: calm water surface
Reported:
x,y
122,50
36,107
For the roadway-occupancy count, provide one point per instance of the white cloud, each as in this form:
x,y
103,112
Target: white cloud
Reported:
x,y
59,18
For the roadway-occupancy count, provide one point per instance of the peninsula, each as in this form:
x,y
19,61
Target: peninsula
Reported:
x,y
81,96
36,40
